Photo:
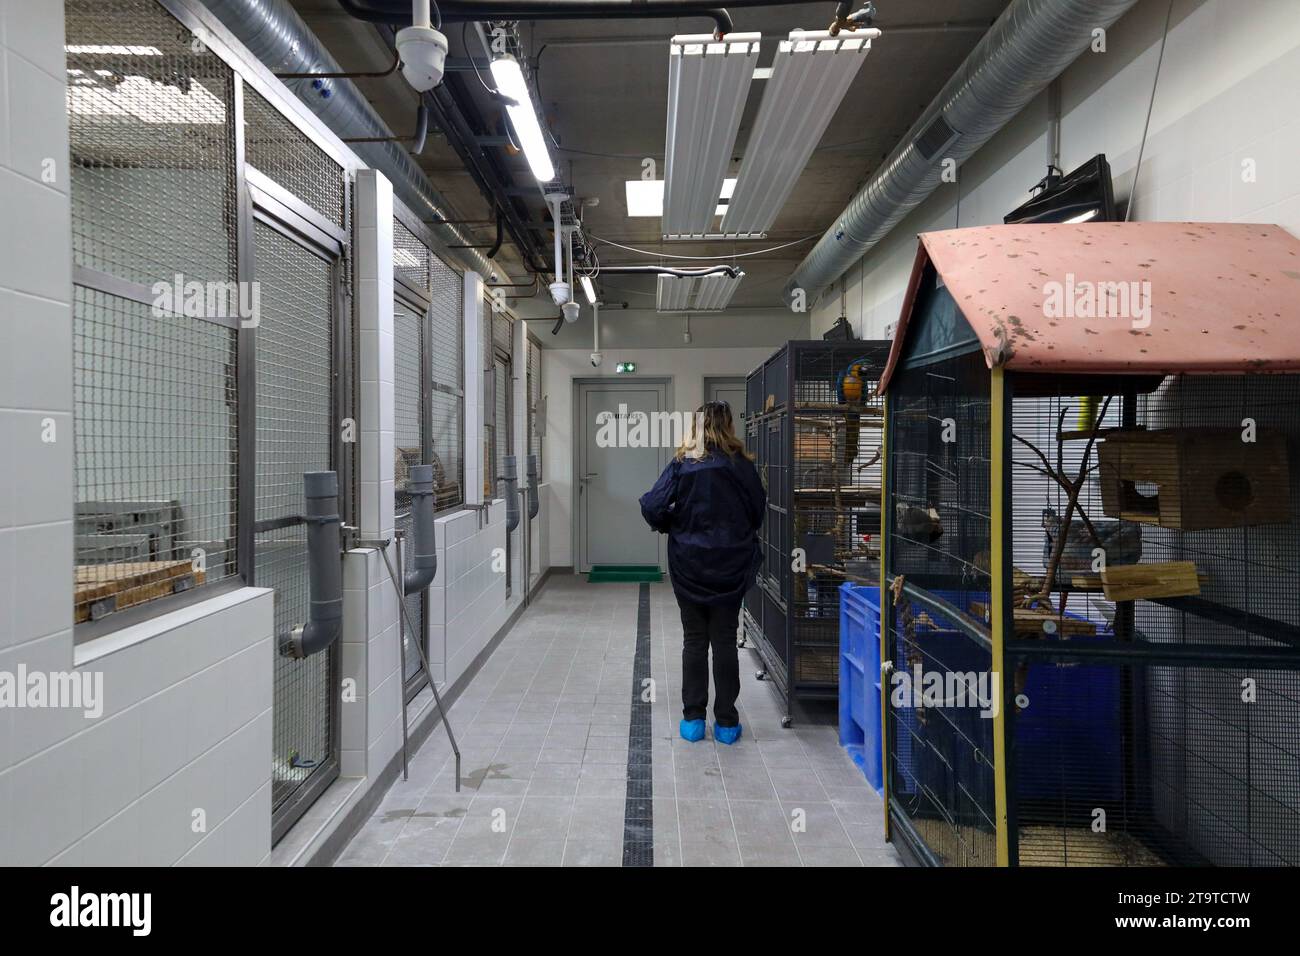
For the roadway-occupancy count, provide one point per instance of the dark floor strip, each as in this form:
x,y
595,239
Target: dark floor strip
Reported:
x,y
638,810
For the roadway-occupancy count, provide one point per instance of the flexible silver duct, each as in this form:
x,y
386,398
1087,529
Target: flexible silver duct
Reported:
x,y
276,35
1025,49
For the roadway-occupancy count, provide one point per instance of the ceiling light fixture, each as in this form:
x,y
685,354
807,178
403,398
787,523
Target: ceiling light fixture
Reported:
x,y
645,197
811,74
708,83
509,77
588,289
706,293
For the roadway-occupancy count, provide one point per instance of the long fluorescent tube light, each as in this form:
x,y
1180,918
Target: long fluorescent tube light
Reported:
x,y
509,78
645,197
708,83
811,74
588,289
710,293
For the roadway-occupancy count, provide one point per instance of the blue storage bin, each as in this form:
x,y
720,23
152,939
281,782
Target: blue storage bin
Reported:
x,y
860,679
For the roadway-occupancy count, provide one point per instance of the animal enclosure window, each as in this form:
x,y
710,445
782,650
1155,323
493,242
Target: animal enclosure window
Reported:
x,y
152,185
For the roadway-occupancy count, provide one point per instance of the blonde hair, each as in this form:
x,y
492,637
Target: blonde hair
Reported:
x,y
711,429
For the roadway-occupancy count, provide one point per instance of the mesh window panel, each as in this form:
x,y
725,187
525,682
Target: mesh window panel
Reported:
x,y
410,255
534,404
1183,541
151,146
407,339
502,340
274,146
156,452
294,435
447,352
940,750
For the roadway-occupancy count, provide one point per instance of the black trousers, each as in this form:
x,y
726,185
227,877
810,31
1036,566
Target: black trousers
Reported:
x,y
705,626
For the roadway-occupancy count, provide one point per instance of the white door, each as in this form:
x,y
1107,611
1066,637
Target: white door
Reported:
x,y
612,476
729,390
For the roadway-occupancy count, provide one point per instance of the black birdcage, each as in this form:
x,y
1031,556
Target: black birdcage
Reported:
x,y
814,427
1092,549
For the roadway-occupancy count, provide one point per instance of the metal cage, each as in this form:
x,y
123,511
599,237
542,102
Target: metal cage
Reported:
x,y
1101,569
814,427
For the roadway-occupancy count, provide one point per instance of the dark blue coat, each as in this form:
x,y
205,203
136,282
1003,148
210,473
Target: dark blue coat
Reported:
x,y
711,510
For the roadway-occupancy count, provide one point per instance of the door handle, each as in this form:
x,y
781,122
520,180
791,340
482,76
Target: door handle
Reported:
x,y
594,474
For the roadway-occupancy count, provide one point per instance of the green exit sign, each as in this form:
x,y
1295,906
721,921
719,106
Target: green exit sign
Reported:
x,y
625,368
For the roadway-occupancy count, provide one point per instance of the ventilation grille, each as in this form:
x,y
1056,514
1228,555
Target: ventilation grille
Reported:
x,y
935,138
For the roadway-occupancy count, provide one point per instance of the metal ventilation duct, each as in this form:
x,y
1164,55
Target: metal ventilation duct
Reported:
x,y
1025,49
276,35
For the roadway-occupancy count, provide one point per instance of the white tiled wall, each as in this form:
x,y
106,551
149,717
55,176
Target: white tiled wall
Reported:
x,y
1230,77
187,719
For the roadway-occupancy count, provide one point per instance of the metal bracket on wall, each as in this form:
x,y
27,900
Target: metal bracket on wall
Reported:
x,y
381,545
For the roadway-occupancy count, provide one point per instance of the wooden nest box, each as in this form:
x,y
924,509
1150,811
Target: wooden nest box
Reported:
x,y
1195,479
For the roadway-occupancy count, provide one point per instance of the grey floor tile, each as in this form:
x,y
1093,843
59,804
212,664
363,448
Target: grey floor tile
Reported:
x,y
530,851
815,824
829,856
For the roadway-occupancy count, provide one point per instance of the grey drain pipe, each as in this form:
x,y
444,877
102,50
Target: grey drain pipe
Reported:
x,y
424,560
324,569
1025,49
534,503
510,477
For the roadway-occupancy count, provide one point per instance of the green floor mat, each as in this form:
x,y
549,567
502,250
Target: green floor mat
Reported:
x,y
634,573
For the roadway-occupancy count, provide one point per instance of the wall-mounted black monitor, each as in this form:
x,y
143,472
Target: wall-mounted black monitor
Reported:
x,y
1084,195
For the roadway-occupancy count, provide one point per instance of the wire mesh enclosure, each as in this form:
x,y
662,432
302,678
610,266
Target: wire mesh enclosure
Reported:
x,y
274,146
535,410
1091,637
151,147
814,427
940,758
295,434
447,360
410,422
1182,546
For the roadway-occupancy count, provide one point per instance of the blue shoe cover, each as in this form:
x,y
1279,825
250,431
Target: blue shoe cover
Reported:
x,y
692,730
726,735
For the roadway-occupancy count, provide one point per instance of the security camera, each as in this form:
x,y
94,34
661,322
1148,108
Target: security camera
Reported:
x,y
423,52
595,359
570,310
560,293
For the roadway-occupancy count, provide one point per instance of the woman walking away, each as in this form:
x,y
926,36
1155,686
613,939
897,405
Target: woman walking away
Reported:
x,y
710,503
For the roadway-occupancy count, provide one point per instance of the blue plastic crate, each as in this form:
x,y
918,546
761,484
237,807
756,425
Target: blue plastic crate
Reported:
x,y
860,679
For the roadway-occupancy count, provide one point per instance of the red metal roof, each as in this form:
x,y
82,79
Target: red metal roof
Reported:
x,y
1166,297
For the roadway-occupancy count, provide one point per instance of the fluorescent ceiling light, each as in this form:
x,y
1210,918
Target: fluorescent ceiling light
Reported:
x,y
811,74
709,293
708,83
645,197
588,289
509,77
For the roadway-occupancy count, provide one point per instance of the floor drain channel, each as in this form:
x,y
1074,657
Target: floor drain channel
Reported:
x,y
638,809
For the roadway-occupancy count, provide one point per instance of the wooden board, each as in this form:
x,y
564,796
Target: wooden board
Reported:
x,y
1136,582
1029,622
130,582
